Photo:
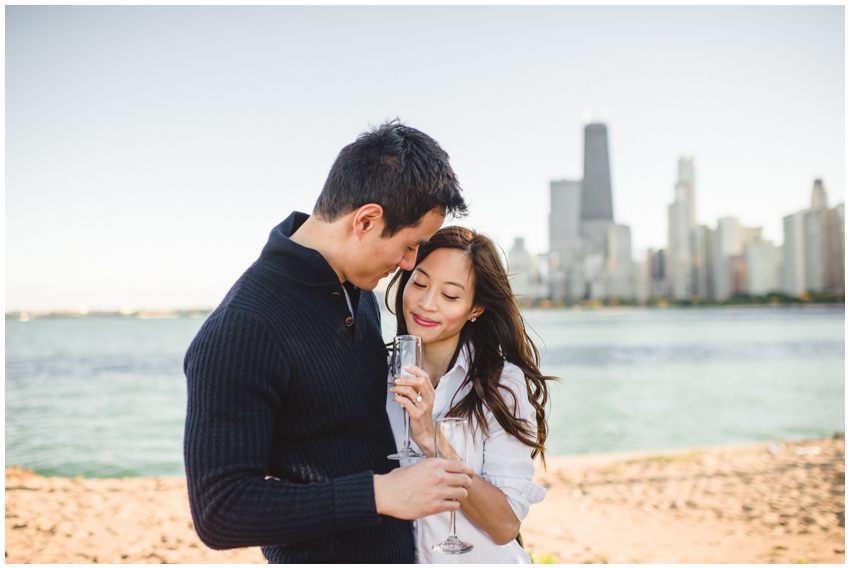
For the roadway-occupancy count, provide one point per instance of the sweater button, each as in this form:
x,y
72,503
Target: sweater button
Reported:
x,y
349,320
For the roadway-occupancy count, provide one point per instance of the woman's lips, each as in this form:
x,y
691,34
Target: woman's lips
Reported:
x,y
422,321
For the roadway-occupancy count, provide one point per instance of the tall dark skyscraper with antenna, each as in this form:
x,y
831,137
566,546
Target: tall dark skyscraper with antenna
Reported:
x,y
590,255
597,207
596,202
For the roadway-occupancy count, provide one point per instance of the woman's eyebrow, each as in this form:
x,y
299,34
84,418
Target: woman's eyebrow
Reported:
x,y
421,270
447,282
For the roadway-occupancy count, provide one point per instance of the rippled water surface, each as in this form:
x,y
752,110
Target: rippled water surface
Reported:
x,y
106,396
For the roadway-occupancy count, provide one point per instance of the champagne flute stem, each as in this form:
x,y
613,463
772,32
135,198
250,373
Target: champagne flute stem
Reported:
x,y
406,429
452,530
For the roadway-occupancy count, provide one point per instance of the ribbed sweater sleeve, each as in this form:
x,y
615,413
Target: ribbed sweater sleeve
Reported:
x,y
236,378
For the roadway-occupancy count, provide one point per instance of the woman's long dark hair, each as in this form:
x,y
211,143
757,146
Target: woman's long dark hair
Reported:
x,y
497,335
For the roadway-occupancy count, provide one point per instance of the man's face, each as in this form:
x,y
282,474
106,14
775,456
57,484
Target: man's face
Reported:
x,y
378,257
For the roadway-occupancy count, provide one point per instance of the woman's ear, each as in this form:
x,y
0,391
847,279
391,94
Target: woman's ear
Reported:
x,y
476,312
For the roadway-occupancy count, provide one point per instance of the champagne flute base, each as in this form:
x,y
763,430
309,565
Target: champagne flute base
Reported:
x,y
405,453
452,546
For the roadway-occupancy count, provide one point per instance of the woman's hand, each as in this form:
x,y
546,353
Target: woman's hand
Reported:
x,y
416,395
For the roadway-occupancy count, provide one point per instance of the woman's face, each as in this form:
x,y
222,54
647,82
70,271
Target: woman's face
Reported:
x,y
438,298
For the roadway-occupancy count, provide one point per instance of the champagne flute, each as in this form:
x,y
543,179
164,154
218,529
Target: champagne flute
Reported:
x,y
450,441
407,351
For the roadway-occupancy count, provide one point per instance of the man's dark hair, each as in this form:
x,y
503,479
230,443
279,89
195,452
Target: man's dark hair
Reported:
x,y
397,167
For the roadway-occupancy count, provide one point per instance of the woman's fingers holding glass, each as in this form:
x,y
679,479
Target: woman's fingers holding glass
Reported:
x,y
421,383
413,393
417,411
417,374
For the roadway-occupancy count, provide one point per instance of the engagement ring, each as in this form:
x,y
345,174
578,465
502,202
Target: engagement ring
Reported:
x,y
418,397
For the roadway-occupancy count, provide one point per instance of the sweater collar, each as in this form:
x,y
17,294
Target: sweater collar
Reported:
x,y
301,264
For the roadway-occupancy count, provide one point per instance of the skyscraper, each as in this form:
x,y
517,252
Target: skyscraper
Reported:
x,y
564,213
819,200
813,251
793,254
523,273
764,260
596,202
654,272
566,281
681,227
702,247
685,187
581,225
731,240
833,278
620,269
725,247
813,248
597,206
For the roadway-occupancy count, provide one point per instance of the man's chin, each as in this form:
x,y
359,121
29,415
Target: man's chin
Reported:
x,y
364,284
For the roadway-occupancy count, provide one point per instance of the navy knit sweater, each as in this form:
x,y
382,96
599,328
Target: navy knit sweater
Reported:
x,y
286,420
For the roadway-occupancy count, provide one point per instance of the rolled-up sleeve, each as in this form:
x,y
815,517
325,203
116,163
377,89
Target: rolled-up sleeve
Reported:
x,y
507,461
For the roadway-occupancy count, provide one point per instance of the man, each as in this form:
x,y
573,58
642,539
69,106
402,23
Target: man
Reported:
x,y
286,431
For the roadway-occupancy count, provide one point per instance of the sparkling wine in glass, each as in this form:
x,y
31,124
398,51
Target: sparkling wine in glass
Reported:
x,y
407,351
450,441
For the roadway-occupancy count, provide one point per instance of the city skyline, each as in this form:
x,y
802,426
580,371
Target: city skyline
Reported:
x,y
590,258
151,149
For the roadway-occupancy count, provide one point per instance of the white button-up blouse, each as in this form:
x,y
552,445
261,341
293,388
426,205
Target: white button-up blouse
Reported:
x,y
500,458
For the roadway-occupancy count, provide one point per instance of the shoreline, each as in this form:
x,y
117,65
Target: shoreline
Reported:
x,y
617,455
773,502
201,313
571,459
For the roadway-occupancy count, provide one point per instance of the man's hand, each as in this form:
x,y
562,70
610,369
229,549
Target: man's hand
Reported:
x,y
428,487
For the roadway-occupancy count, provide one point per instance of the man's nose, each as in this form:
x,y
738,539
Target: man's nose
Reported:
x,y
408,261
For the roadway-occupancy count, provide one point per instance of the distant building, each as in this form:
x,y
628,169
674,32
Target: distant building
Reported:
x,y
814,241
833,277
543,272
738,275
729,267
566,280
620,270
702,246
824,243
764,268
813,250
681,224
725,247
793,254
584,262
523,272
656,271
597,206
595,276
596,201
564,214
642,280
819,199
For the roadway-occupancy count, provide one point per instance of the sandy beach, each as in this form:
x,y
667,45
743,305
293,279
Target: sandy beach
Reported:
x,y
764,503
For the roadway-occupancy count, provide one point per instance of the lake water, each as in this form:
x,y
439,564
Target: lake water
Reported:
x,y
106,396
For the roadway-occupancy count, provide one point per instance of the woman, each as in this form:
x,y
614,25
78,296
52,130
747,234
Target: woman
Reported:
x,y
480,364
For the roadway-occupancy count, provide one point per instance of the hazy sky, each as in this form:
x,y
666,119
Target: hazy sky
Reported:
x,y
149,150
